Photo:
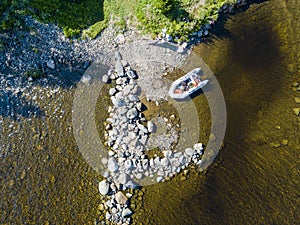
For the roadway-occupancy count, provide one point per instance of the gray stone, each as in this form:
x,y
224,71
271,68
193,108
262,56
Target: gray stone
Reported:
x,y
139,176
86,79
150,126
112,91
119,103
122,110
200,33
112,76
51,64
123,178
131,184
126,90
189,151
164,162
119,68
131,74
121,198
107,215
126,212
159,179
124,63
132,113
118,56
105,78
114,211
128,164
133,98
120,39
136,90
103,187
86,65
167,153
139,106
142,128
143,139
112,164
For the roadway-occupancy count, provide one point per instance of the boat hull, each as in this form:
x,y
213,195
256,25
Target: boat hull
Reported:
x,y
194,80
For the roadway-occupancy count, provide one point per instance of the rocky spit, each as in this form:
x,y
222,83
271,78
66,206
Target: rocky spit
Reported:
x,y
127,133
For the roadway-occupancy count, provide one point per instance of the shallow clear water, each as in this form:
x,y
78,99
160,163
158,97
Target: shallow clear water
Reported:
x,y
255,57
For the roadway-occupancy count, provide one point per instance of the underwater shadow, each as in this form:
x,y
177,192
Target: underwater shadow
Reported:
x,y
15,106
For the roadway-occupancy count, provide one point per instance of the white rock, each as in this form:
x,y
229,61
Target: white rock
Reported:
x,y
104,160
120,39
126,212
105,78
189,151
142,128
131,184
112,91
126,90
124,63
120,198
103,187
164,162
150,126
118,56
167,153
86,79
132,113
131,74
107,215
139,106
122,110
51,64
139,176
128,164
159,179
112,164
119,68
198,146
169,37
123,178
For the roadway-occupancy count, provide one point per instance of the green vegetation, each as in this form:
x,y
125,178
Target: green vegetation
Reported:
x,y
11,14
90,17
34,73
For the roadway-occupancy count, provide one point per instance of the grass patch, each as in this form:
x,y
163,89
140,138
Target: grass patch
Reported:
x,y
90,17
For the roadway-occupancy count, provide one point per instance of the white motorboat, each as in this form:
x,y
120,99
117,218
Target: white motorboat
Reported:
x,y
187,84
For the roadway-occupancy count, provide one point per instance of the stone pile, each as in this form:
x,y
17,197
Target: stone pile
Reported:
x,y
127,134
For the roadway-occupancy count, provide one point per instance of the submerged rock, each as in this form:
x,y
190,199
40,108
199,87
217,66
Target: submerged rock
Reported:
x,y
86,79
126,212
51,64
296,111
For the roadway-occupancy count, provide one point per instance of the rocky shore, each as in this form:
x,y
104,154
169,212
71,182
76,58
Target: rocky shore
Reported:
x,y
127,135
